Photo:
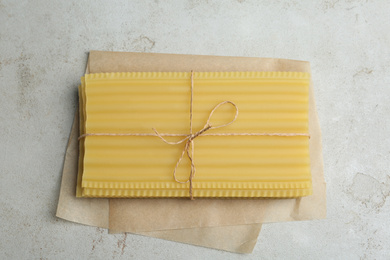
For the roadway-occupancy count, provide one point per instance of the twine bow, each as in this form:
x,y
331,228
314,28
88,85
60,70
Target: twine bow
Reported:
x,y
190,140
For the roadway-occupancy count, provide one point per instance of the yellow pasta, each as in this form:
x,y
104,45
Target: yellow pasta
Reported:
x,y
226,166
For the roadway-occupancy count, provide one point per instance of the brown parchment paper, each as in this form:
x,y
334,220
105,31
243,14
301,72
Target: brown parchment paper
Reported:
x,y
238,239
144,216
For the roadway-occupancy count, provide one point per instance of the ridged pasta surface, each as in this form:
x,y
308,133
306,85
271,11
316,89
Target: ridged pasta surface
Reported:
x,y
226,166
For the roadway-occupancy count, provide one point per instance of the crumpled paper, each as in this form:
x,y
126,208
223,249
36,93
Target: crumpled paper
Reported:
x,y
230,225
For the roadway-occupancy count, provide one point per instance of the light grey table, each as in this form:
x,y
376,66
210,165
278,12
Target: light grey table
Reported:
x,y
43,51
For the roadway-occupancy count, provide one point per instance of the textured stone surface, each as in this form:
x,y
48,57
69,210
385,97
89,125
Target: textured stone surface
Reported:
x,y
43,50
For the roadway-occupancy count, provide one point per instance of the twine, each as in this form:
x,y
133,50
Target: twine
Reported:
x,y
189,139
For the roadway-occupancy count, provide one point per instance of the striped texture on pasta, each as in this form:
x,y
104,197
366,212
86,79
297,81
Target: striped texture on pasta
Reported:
x,y
226,166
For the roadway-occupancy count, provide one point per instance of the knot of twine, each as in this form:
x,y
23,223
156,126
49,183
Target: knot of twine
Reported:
x,y
189,139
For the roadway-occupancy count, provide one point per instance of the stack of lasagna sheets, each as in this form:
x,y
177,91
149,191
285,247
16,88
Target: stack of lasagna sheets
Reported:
x,y
264,153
